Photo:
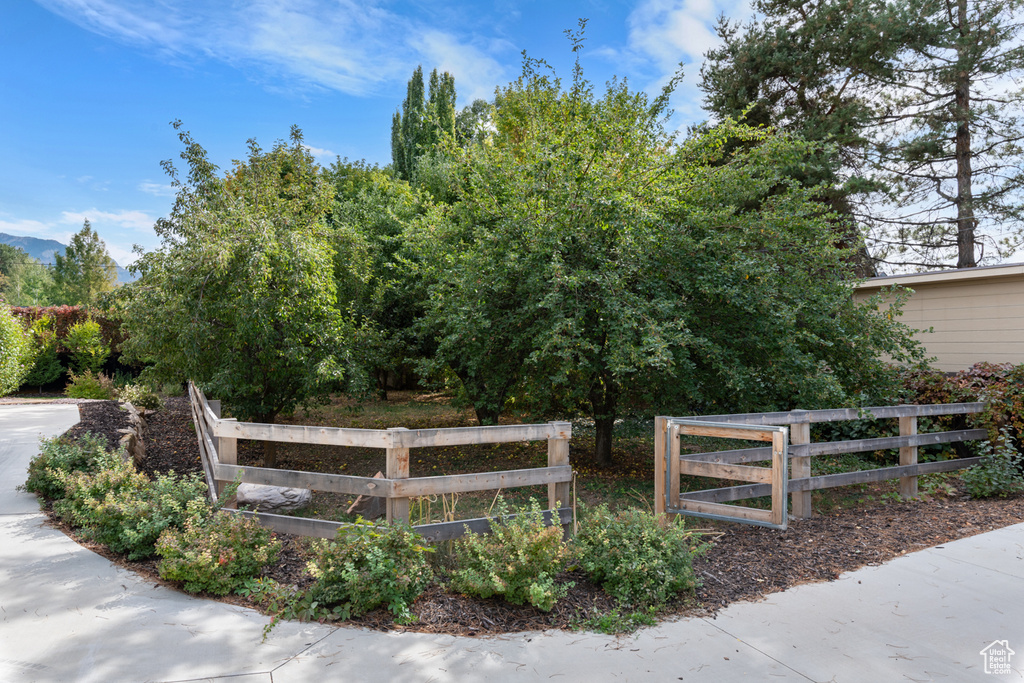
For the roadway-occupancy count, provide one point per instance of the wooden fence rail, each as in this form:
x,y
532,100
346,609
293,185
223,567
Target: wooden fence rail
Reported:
x,y
669,466
218,440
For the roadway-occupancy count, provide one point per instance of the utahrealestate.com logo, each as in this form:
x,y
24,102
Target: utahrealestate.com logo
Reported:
x,y
997,657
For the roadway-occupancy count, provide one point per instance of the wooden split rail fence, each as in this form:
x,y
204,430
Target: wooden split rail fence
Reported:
x,y
218,440
796,446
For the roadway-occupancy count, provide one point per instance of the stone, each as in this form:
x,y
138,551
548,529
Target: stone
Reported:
x,y
273,499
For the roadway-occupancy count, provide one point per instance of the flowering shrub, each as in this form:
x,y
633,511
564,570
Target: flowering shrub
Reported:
x,y
216,553
59,457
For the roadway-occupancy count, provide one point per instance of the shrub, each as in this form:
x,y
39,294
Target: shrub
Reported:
x,y
59,457
998,473
215,553
84,490
130,519
16,352
637,558
88,349
518,560
140,397
366,567
88,385
46,368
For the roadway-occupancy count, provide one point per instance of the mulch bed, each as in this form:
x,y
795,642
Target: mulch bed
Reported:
x,y
744,563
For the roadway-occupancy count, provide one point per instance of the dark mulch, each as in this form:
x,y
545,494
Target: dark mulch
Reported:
x,y
744,563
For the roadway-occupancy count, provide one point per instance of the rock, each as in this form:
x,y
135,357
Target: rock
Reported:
x,y
272,498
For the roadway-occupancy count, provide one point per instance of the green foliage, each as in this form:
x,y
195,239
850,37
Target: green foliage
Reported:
x,y
240,296
88,385
368,221
517,561
999,473
59,457
85,270
617,621
216,553
139,396
24,281
16,351
88,349
592,262
46,367
367,567
284,602
639,559
923,133
126,511
423,122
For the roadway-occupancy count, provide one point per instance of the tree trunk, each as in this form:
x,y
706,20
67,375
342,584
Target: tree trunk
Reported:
x,y
487,416
269,447
965,219
382,385
603,403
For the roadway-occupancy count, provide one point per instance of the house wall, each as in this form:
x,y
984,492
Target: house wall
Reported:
x,y
975,314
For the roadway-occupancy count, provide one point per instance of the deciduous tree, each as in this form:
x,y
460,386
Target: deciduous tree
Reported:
x,y
592,261
240,297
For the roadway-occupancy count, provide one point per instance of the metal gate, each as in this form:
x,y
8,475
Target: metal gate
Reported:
x,y
670,465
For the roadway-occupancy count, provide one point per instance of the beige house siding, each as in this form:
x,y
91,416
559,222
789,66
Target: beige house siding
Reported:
x,y
976,314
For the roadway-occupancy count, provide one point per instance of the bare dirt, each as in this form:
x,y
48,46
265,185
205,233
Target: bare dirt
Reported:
x,y
743,563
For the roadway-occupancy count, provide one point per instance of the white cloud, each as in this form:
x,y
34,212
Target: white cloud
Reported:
x,y
122,256
673,31
137,220
27,227
324,155
353,47
157,189
476,73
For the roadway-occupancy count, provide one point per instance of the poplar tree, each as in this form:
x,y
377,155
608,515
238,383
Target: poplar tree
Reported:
x,y
425,119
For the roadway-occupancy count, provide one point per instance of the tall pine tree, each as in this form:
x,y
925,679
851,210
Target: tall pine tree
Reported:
x,y
911,94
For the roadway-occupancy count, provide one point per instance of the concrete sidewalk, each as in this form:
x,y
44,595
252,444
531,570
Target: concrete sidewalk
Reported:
x,y
69,615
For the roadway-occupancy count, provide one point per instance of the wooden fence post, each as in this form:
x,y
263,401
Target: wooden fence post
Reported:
x,y
558,454
908,456
397,468
800,467
558,493
659,465
227,453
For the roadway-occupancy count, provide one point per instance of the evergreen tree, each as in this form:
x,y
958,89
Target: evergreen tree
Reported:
x,y
898,89
85,270
954,149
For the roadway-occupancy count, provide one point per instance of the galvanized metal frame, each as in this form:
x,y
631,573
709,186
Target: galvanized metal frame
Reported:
x,y
778,516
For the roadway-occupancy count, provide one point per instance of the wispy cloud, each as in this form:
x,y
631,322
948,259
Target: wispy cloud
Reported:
x,y
27,227
352,47
667,33
476,73
157,189
323,155
137,220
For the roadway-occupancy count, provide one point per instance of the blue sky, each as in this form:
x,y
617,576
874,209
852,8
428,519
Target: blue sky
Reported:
x,y
89,87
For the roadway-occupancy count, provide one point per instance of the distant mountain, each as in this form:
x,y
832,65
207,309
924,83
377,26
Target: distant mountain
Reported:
x,y
47,250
